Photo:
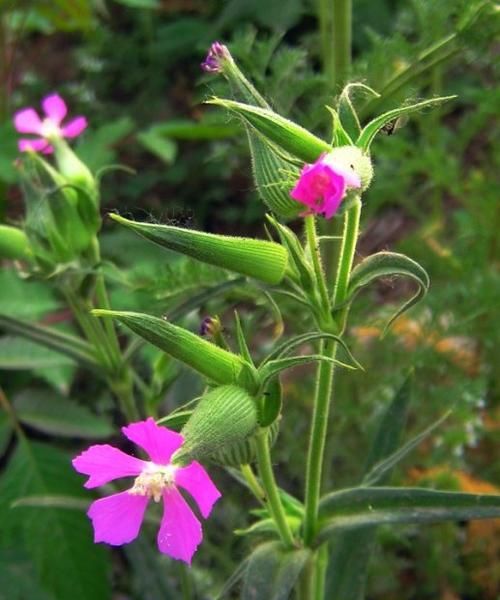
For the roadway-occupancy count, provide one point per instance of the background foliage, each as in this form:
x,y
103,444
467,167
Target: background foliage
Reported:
x,y
132,66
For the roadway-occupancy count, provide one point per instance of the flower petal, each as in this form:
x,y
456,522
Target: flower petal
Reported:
x,y
159,442
28,121
195,480
55,108
117,518
74,127
36,145
180,531
103,463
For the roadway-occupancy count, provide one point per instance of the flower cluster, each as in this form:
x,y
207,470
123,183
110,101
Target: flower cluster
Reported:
x,y
323,185
217,52
27,120
118,518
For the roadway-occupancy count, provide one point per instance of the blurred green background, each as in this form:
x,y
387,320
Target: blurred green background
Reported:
x,y
132,67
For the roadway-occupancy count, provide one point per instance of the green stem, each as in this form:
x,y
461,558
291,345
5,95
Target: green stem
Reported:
x,y
314,250
317,439
271,489
315,575
253,484
335,32
342,41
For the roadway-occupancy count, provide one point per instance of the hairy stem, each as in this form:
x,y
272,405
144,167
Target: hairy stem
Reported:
x,y
271,489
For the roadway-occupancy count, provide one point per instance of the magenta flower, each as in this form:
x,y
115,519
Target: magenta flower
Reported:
x,y
323,185
212,63
117,518
28,121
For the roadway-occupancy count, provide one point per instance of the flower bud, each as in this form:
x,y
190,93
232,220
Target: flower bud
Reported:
x,y
351,157
14,243
225,416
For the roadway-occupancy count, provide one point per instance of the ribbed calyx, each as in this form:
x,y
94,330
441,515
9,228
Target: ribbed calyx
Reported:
x,y
225,416
266,261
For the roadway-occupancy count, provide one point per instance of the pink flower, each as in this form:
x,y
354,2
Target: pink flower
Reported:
x,y
27,120
323,185
217,52
117,518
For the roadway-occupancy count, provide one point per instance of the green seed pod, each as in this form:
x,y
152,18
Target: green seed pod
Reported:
x,y
14,243
217,364
224,417
353,158
261,259
244,452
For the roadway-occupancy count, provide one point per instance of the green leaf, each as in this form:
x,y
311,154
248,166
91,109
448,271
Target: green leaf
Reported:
x,y
213,362
270,368
351,549
388,264
163,147
304,338
140,3
280,131
340,137
68,348
347,113
19,354
378,473
352,508
370,130
13,299
272,571
183,129
59,541
242,342
391,427
18,578
54,414
272,401
266,261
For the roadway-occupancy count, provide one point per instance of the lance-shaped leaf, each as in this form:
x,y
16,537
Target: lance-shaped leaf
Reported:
x,y
213,362
388,264
298,340
350,549
261,259
380,470
225,416
370,130
69,346
280,131
272,571
352,508
273,367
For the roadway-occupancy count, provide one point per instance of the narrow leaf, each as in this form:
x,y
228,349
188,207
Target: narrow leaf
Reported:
x,y
351,549
57,415
272,571
379,471
388,264
287,135
370,131
357,507
69,346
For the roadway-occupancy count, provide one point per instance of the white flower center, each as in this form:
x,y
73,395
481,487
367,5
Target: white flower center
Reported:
x,y
153,480
50,129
